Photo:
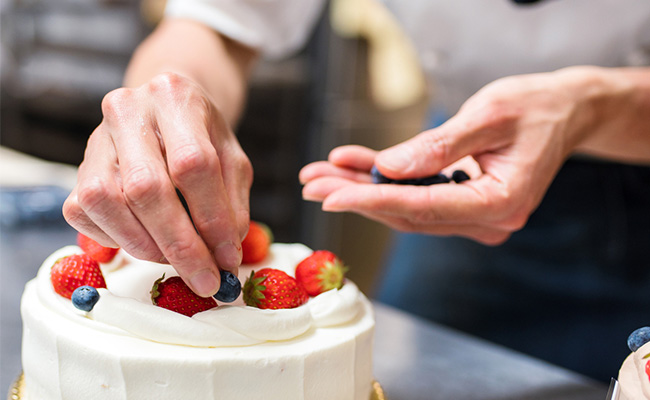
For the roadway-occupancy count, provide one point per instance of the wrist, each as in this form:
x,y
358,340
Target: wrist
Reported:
x,y
609,108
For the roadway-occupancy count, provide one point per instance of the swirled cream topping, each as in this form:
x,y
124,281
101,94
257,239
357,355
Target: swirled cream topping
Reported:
x,y
125,306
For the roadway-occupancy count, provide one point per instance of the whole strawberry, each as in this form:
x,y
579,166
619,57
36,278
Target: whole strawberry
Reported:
x,y
173,294
95,250
271,288
255,246
68,273
320,272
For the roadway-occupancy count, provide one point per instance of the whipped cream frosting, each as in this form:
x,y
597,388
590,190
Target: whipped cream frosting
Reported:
x,y
125,306
127,348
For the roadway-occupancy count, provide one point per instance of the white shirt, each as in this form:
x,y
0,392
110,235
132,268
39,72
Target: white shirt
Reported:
x,y
462,44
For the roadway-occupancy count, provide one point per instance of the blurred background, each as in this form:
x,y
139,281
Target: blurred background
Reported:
x,y
356,81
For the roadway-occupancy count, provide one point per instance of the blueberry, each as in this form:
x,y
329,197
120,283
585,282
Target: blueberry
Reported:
x,y
85,297
229,289
459,176
377,177
432,180
638,338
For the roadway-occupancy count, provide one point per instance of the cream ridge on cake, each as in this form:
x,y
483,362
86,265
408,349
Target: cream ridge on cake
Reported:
x,y
118,335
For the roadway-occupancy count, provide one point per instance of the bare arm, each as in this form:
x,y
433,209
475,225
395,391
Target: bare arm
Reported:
x,y
217,64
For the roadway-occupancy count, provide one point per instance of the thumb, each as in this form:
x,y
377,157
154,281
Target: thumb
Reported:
x,y
430,151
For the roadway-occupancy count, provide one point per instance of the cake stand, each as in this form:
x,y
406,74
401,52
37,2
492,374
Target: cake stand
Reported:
x,y
17,388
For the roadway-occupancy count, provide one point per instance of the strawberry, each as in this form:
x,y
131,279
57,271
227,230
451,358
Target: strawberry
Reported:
x,y
647,368
95,250
255,246
68,273
320,272
274,289
173,294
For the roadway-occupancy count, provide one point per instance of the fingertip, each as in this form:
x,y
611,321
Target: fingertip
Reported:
x,y
228,255
205,283
303,175
309,194
395,161
332,203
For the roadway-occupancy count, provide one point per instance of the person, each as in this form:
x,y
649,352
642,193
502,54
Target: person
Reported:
x,y
540,95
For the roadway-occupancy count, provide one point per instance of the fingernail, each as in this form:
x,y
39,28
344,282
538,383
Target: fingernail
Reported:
x,y
228,255
331,206
204,283
396,160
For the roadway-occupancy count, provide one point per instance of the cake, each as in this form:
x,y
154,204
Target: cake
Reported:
x,y
128,348
634,375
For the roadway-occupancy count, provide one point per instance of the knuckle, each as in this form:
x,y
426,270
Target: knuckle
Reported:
x,y
143,248
180,250
92,193
211,222
115,101
72,212
191,160
141,186
166,82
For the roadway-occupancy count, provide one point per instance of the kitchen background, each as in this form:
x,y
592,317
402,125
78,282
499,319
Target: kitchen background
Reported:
x,y
355,82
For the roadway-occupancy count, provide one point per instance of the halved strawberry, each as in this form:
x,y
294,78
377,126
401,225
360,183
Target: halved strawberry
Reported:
x,y
95,250
173,294
68,273
320,272
271,288
255,246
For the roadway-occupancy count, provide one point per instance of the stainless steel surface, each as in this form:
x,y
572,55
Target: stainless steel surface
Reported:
x,y
614,390
418,360
414,359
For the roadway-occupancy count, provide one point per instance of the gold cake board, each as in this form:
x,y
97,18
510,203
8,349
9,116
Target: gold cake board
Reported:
x,y
19,385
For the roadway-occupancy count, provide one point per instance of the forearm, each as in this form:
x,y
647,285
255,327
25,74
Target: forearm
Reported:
x,y
219,65
613,112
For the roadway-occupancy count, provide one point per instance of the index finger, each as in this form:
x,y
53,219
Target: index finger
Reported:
x,y
185,118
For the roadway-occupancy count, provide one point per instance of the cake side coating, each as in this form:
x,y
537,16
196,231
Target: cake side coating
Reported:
x,y
311,353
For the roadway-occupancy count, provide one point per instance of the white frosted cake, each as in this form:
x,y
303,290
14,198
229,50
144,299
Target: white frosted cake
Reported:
x,y
128,348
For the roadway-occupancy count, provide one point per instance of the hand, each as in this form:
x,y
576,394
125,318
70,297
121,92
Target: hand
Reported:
x,y
163,135
517,132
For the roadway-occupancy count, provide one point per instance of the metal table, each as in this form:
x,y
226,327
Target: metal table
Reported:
x,y
416,359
